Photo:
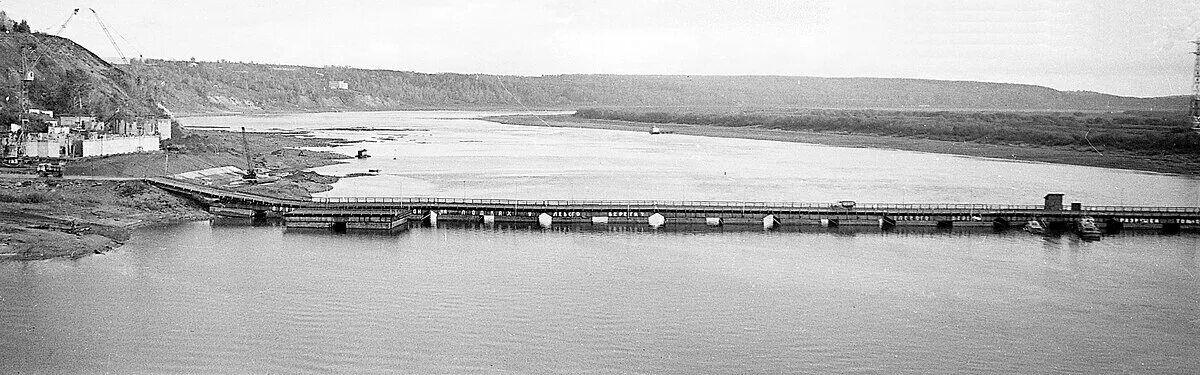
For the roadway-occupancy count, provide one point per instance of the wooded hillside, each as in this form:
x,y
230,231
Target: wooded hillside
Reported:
x,y
227,86
67,79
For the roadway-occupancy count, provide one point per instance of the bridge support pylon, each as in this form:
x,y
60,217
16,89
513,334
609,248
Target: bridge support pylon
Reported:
x,y
1171,226
886,222
1113,226
770,222
1000,223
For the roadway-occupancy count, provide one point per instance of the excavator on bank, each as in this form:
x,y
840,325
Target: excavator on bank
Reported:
x,y
251,177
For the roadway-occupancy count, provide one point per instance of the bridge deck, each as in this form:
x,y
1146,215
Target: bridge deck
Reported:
x,y
585,208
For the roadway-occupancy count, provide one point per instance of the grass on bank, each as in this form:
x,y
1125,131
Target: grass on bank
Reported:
x,y
1147,133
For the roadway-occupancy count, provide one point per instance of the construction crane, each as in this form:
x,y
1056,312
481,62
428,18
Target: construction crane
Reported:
x,y
109,35
64,24
250,176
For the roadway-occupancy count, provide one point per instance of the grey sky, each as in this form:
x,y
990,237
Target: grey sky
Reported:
x,y
1137,48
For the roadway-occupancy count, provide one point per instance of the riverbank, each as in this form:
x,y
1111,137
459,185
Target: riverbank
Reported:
x,y
43,218
92,210
1058,155
183,115
281,154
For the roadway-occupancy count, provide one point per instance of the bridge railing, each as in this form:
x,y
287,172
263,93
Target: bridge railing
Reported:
x,y
674,204
667,204
1183,210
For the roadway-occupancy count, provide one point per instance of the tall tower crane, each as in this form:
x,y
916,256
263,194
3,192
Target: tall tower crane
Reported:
x,y
250,175
64,24
109,35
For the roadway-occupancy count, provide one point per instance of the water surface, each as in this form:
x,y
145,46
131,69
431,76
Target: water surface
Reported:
x,y
231,298
453,154
227,297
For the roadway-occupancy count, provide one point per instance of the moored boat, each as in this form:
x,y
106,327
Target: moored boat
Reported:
x,y
1035,227
1087,229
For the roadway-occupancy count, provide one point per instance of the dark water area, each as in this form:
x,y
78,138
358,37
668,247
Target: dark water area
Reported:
x,y
226,297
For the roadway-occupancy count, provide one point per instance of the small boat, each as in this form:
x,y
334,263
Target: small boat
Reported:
x,y
1087,229
655,130
362,154
1035,227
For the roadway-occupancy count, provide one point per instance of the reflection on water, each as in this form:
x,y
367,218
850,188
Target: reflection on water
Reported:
x,y
226,297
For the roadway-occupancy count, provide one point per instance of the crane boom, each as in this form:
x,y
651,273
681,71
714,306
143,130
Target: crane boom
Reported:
x,y
109,35
64,24
250,175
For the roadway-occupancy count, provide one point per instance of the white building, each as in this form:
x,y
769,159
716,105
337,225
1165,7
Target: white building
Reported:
x,y
160,127
83,123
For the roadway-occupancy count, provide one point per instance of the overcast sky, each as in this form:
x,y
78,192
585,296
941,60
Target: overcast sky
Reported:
x,y
1135,48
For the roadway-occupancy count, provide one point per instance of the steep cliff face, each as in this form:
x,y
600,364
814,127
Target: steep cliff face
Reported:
x,y
67,79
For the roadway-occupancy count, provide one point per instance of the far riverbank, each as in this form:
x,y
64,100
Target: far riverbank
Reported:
x,y
1057,155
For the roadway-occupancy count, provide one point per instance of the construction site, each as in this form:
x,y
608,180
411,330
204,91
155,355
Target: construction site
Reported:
x,y
60,107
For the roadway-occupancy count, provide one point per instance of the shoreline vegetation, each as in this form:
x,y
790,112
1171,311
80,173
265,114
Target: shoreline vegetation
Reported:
x,y
226,86
1055,148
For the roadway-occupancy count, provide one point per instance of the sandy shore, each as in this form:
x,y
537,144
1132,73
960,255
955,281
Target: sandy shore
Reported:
x,y
1160,164
42,218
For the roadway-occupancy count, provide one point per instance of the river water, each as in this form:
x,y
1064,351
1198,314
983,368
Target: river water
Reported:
x,y
448,154
227,296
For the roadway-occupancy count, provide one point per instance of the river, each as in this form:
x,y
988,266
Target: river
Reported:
x,y
228,296
449,154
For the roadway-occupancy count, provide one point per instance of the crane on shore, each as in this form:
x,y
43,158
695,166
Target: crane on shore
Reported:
x,y
64,24
250,175
104,27
109,35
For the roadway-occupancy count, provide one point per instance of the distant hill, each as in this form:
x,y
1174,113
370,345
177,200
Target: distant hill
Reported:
x,y
228,86
69,75
67,79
